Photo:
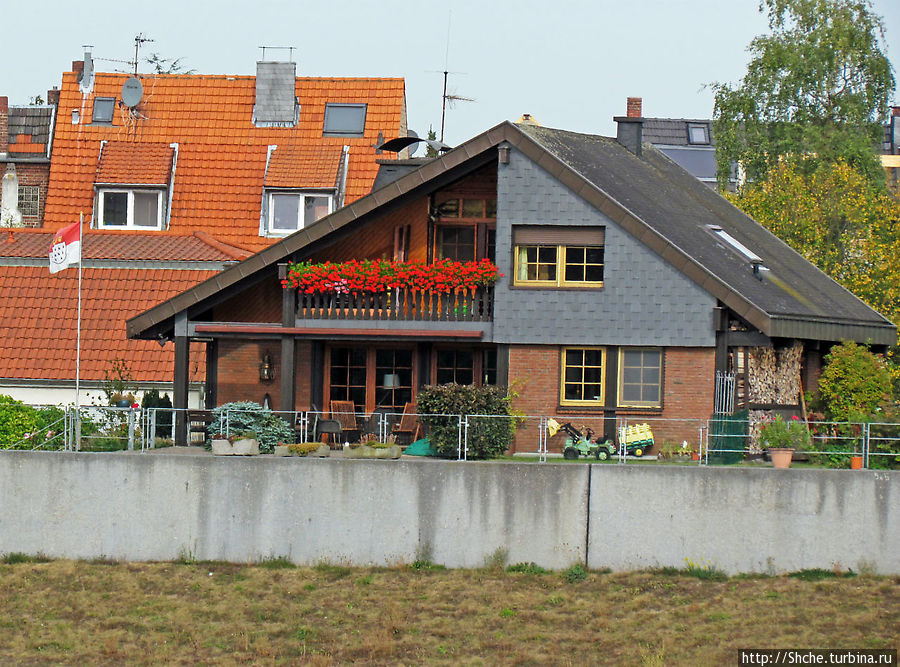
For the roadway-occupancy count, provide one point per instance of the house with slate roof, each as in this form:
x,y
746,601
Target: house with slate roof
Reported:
x,y
627,284
195,174
26,141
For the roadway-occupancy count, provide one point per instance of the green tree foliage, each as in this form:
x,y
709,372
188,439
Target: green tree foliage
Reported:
x,y
431,151
854,383
817,85
840,221
488,437
18,423
166,65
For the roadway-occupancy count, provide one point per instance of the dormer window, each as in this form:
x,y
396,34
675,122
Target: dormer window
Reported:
x,y
698,133
344,120
125,208
103,109
292,211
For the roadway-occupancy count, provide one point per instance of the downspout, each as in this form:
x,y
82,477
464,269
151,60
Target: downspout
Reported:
x,y
342,178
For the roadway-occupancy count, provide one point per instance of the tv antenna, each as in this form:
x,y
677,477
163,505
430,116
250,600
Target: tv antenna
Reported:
x,y
139,39
451,97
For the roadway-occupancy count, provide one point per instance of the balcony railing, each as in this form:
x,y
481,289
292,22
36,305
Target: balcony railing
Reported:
x,y
401,304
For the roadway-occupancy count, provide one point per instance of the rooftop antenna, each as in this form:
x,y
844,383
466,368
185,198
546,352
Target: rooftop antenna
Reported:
x,y
289,48
449,97
138,40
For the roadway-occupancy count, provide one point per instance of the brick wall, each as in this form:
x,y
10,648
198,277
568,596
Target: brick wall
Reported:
x,y
34,175
688,392
238,372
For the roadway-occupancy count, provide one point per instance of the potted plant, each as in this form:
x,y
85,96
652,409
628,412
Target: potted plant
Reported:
x,y
780,438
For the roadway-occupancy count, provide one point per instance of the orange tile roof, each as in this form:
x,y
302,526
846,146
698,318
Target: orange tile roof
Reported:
x,y
24,144
294,166
38,313
221,156
126,162
114,245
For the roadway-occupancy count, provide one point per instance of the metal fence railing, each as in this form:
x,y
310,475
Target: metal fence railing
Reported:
x,y
722,439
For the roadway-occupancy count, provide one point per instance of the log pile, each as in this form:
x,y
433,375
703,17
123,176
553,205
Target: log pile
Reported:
x,y
773,378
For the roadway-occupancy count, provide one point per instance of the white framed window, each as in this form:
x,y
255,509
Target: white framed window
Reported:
x,y
291,211
130,208
698,133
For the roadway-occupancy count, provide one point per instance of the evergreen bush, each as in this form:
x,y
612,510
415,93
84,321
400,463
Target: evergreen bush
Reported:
x,y
242,416
488,437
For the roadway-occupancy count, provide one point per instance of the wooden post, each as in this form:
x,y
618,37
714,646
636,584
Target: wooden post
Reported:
x,y
288,368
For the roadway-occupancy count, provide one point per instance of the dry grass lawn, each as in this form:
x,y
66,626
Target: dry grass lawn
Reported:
x,y
215,613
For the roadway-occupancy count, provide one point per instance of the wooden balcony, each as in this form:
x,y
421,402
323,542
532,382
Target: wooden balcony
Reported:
x,y
399,305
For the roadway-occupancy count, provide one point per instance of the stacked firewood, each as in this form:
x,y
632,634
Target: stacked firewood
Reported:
x,y
773,377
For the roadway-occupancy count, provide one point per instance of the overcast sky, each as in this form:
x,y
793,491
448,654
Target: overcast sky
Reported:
x,y
569,64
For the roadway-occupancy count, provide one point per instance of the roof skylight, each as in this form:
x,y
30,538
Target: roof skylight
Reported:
x,y
721,234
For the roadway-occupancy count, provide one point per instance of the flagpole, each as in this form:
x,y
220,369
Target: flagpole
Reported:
x,y
78,341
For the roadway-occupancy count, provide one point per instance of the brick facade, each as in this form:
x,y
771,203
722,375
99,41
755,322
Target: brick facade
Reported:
x,y
34,174
688,394
238,372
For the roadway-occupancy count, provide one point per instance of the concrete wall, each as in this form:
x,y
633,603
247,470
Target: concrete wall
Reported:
x,y
159,506
162,506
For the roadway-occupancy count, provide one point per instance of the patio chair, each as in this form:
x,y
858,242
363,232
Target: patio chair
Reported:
x,y
344,412
408,428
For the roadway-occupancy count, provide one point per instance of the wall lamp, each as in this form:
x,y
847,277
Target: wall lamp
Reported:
x,y
266,369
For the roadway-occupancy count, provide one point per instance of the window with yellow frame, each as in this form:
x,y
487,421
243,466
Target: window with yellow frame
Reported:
x,y
640,377
547,256
582,381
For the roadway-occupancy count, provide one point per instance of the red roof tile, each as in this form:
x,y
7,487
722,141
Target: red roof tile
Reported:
x,y
221,156
125,162
113,245
38,311
294,166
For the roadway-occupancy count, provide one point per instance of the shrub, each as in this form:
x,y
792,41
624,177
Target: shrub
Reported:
x,y
18,422
854,380
243,416
488,437
163,415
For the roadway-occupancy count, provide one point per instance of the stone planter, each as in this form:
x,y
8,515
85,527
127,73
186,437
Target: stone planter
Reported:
x,y
781,457
242,447
285,450
367,452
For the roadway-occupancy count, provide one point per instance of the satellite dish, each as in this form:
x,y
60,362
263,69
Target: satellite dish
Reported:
x,y
132,92
413,148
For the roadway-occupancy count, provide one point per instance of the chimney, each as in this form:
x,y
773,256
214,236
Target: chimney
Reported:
x,y
53,97
629,128
634,107
78,68
4,127
276,99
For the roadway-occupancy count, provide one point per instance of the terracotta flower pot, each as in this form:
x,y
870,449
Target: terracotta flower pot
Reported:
x,y
695,456
781,457
856,462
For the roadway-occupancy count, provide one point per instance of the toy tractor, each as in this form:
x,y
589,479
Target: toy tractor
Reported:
x,y
581,444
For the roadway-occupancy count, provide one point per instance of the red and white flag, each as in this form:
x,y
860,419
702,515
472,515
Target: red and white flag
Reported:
x,y
66,248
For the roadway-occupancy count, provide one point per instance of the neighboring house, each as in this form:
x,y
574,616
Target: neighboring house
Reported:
x,y
689,142
176,176
890,151
627,284
26,140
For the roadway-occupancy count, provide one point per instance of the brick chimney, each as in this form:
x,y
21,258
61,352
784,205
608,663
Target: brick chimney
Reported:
x,y
634,107
53,96
4,126
630,128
